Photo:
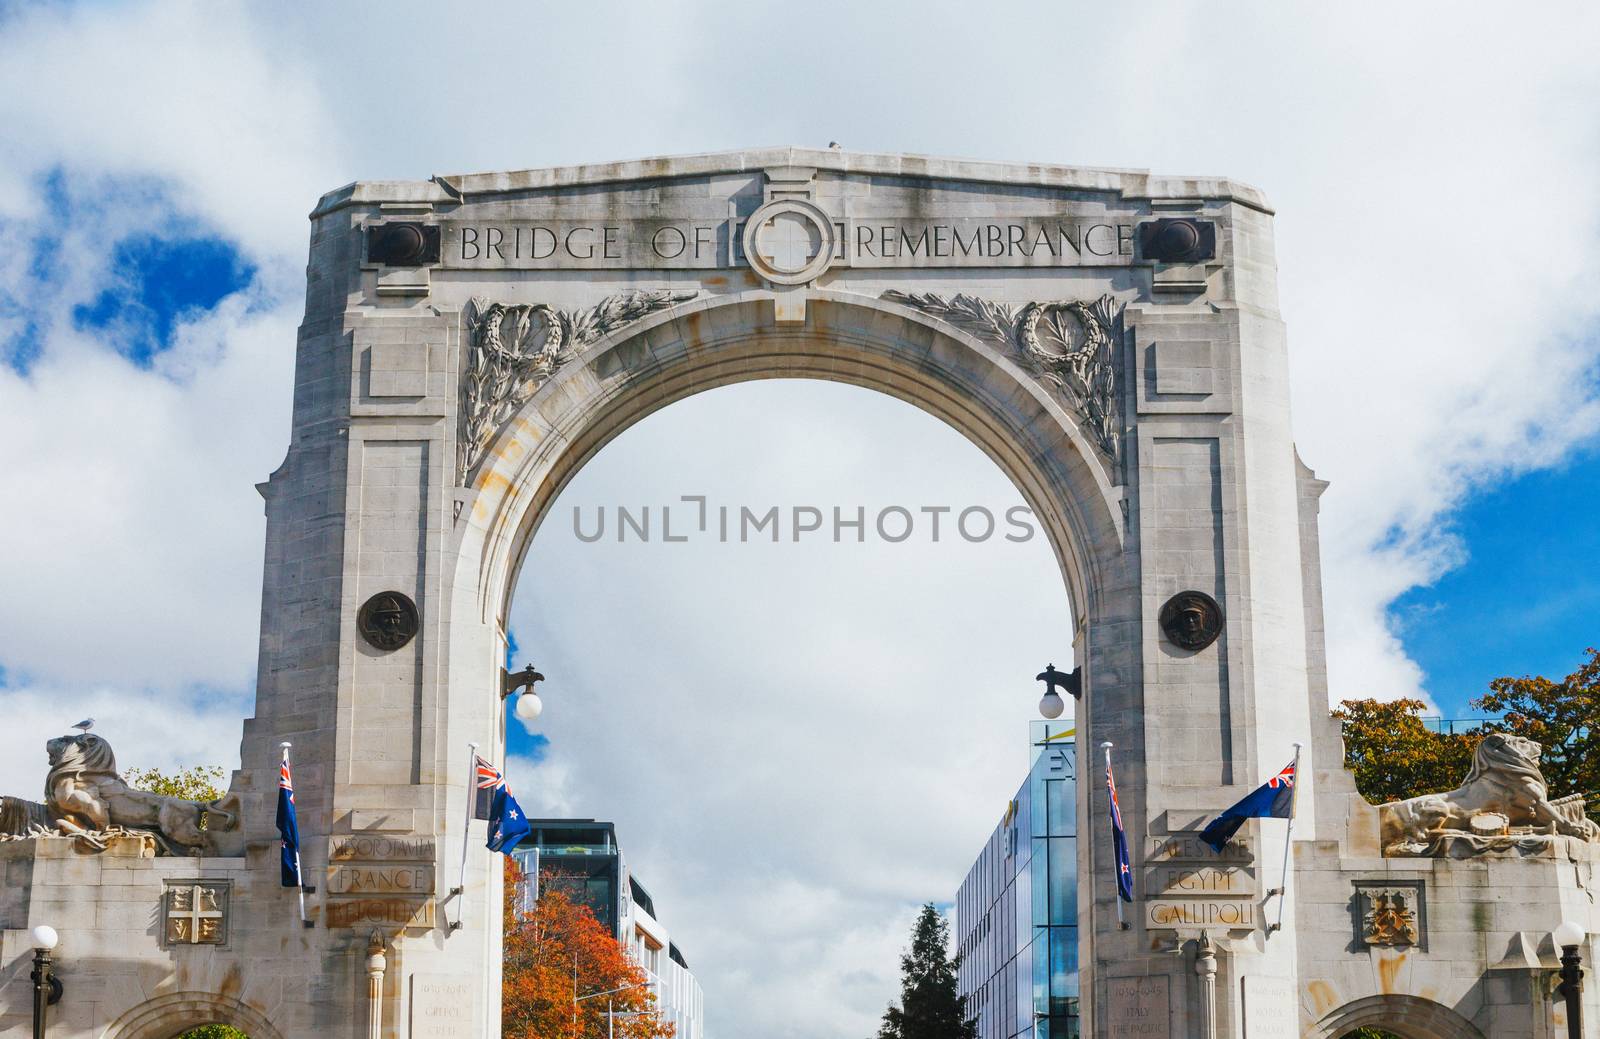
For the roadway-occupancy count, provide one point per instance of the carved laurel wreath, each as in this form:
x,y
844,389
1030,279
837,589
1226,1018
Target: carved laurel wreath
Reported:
x,y
516,349
1070,345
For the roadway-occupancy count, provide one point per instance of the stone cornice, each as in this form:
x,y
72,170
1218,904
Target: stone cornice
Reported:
x,y
1130,184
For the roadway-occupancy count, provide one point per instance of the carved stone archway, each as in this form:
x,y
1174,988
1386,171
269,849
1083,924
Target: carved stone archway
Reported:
x,y
165,1017
1410,1017
979,386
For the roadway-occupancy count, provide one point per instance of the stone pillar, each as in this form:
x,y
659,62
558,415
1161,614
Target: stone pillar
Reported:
x,y
376,964
1205,965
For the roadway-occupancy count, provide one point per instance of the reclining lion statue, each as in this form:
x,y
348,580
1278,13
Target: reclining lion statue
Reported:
x,y
1503,789
86,799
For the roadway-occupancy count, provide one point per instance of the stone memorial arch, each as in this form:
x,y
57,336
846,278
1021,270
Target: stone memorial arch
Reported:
x,y
1110,338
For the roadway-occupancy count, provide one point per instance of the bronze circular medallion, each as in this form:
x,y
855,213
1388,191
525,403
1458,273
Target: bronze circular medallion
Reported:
x,y
388,620
1191,620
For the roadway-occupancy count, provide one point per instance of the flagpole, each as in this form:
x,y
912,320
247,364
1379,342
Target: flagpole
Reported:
x,y
299,874
1122,925
466,831
1288,833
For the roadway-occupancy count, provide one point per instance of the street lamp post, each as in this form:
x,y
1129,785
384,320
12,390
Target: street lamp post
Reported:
x,y
528,706
46,986
1569,938
611,1015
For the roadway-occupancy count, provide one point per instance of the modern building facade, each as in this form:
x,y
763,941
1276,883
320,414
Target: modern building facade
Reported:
x,y
1017,910
582,858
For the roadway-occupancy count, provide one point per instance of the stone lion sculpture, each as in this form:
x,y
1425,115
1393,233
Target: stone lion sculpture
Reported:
x,y
85,795
1504,789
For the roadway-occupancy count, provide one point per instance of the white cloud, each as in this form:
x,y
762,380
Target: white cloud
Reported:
x,y
1433,169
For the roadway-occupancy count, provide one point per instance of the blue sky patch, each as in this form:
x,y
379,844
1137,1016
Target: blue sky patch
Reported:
x,y
157,282
1527,599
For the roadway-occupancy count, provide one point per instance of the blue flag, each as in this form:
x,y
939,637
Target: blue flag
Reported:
x,y
1273,799
508,823
288,828
1119,839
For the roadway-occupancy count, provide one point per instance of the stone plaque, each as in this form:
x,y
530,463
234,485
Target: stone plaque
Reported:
x,y
1138,1008
1202,881
441,1006
1391,913
412,880
1269,1009
381,849
1179,847
195,912
1057,239
380,912
1200,913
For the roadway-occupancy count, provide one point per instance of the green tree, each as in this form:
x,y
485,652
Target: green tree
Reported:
x,y
1394,755
1370,1033
930,1007
214,1031
199,783
1563,717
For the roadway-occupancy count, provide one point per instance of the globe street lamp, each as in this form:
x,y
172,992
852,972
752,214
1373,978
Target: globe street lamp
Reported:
x,y
46,986
528,706
1051,705
1568,938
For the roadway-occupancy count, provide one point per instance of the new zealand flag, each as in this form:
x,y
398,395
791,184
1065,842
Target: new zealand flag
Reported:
x,y
1273,799
508,824
288,829
1119,839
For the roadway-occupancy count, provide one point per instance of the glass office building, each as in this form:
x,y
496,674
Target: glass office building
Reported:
x,y
1017,910
581,858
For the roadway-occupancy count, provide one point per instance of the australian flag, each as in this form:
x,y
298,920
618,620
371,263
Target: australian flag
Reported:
x,y
288,829
1273,799
1119,840
508,824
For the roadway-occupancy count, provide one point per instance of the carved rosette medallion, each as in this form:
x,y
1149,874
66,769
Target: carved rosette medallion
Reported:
x,y
1070,345
388,620
789,241
514,350
1191,620
195,912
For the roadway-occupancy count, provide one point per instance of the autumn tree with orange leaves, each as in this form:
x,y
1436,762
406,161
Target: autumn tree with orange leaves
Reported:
x,y
543,948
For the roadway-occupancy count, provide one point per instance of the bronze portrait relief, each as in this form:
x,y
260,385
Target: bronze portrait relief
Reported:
x,y
388,620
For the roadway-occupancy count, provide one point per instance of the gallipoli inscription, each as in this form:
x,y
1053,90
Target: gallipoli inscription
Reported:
x,y
441,1006
1199,913
1138,1008
1010,241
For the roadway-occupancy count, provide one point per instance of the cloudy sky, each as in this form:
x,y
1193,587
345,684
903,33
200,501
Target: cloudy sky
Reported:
x,y
798,743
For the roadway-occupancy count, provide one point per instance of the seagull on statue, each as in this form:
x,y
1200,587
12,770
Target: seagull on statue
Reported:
x,y
85,725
